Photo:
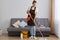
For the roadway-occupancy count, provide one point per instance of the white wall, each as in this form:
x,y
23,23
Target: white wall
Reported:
x,y
57,18
17,9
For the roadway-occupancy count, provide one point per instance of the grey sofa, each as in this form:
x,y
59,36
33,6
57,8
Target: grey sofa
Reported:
x,y
12,31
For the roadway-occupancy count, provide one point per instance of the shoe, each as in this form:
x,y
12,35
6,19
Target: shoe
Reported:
x,y
35,37
31,37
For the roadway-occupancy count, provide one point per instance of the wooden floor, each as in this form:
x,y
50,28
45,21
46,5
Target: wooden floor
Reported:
x,y
6,37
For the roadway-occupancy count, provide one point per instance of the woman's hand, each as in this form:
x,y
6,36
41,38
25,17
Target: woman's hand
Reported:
x,y
34,21
29,14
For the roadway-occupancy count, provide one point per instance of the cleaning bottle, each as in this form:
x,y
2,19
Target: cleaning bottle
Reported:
x,y
21,35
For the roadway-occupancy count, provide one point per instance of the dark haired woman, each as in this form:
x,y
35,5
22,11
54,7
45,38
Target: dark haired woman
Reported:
x,y
32,11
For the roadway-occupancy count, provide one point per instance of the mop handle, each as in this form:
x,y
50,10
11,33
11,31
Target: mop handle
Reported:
x,y
36,25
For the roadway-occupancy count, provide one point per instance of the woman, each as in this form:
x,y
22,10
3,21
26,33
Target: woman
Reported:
x,y
32,11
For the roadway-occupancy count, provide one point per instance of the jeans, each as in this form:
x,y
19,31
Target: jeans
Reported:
x,y
32,30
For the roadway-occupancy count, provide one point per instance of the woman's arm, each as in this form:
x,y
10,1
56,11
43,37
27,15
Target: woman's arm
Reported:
x,y
28,10
36,11
35,17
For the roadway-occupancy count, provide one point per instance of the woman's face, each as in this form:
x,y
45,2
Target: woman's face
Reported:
x,y
34,4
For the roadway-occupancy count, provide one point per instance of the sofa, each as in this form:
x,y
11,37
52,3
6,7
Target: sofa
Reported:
x,y
12,31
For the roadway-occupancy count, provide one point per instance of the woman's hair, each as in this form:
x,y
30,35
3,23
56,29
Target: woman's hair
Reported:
x,y
34,2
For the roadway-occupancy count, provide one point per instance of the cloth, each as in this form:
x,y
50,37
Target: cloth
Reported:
x,y
28,18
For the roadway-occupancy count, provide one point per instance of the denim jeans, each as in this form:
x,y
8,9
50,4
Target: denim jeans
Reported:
x,y
32,30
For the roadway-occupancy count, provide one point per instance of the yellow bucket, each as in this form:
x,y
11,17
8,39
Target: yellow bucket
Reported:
x,y
25,33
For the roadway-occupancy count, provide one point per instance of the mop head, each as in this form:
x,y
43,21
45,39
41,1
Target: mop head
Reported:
x,y
43,39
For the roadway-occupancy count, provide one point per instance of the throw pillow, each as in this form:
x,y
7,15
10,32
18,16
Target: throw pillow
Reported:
x,y
16,24
23,24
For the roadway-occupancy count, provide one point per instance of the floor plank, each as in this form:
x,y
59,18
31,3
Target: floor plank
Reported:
x,y
6,37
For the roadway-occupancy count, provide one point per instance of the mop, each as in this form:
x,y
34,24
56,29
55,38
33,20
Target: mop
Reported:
x,y
38,29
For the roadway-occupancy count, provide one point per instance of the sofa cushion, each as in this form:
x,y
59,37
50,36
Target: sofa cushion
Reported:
x,y
13,29
43,28
42,21
18,29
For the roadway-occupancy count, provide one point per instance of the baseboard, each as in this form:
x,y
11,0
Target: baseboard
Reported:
x,y
52,33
